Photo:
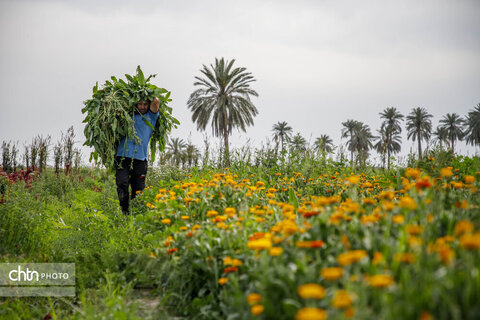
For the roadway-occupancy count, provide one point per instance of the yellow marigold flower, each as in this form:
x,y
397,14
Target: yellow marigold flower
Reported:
x,y
369,201
254,298
256,310
404,257
346,243
463,226
398,219
236,262
408,203
196,227
412,173
380,280
388,195
369,218
446,172
331,273
377,258
166,221
183,228
414,229
462,204
388,205
353,180
342,299
311,291
470,241
227,261
275,251
222,281
350,257
430,217
259,244
469,179
185,217
311,314
211,213
230,211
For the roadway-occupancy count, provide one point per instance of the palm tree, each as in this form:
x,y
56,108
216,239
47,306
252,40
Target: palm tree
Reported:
x,y
453,125
348,132
298,143
324,144
390,132
441,136
419,127
472,131
176,148
387,144
224,96
191,155
361,141
283,132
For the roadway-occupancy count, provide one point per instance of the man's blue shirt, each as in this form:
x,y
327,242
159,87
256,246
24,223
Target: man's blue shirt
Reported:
x,y
129,148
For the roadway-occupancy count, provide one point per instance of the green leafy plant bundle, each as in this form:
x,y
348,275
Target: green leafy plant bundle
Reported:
x,y
110,115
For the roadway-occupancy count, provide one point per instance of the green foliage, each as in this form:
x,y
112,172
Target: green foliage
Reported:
x,y
110,111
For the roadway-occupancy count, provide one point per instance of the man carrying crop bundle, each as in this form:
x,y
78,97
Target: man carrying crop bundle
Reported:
x,y
131,159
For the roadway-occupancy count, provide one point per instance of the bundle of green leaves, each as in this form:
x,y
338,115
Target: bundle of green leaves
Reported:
x,y
110,115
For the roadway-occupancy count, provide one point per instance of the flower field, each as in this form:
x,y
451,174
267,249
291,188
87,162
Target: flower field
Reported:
x,y
326,243
291,247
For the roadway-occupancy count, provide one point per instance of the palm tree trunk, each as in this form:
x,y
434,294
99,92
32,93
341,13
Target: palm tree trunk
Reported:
x,y
419,149
453,146
227,151
388,160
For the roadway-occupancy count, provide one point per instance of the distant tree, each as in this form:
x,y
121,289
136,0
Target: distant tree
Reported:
x,y
472,130
441,136
324,144
348,131
391,141
191,155
419,127
453,124
175,149
361,142
282,132
224,96
298,143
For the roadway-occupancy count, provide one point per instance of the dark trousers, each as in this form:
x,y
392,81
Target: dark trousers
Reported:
x,y
129,173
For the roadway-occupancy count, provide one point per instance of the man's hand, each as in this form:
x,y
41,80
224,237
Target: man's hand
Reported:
x,y
155,105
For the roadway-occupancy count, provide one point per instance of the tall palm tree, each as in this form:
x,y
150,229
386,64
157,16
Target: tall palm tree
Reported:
x,y
224,96
176,148
419,127
361,142
324,144
282,132
453,124
441,136
348,132
298,143
390,132
472,130
191,155
387,144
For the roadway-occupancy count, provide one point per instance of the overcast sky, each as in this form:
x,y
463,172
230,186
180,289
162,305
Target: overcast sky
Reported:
x,y
317,63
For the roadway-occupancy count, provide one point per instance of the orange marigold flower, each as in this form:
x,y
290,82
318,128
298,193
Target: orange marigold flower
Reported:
x,y
398,219
425,316
331,273
166,221
260,244
408,202
423,184
350,257
404,257
342,299
380,280
349,313
463,226
230,269
412,173
311,314
311,291
469,179
222,281
446,172
172,250
257,309
470,241
254,298
275,251
414,229
378,258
